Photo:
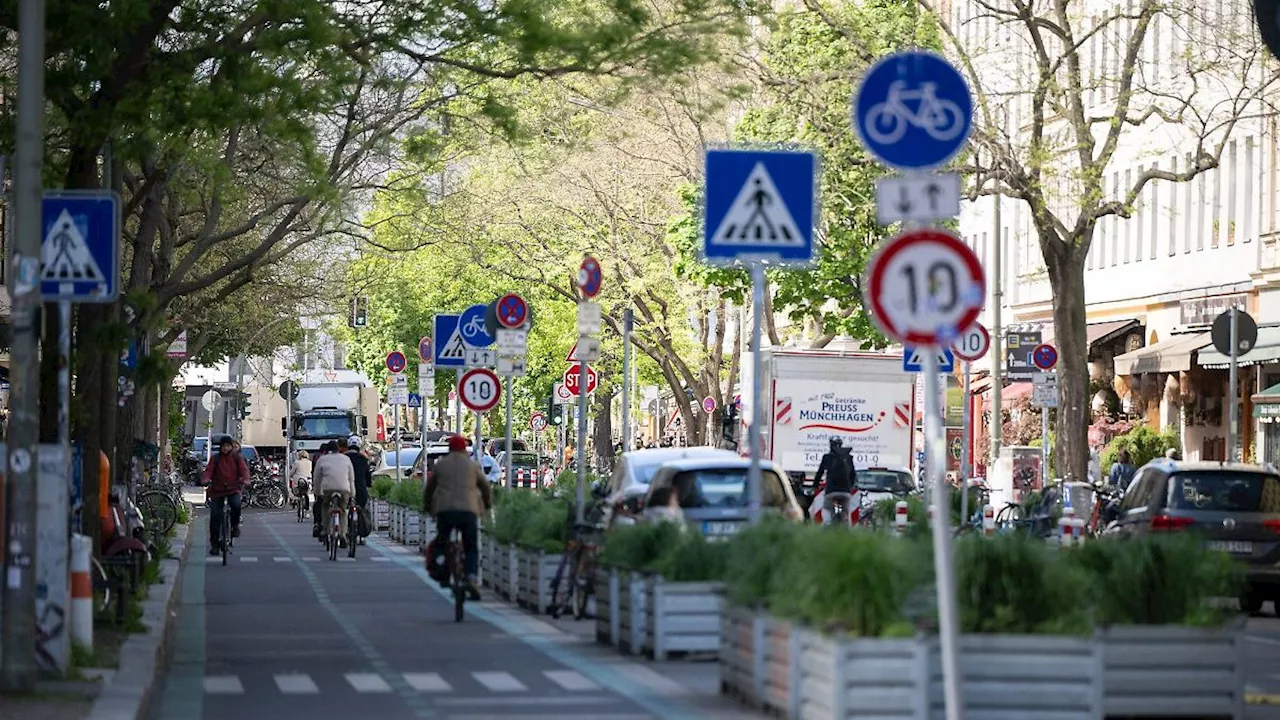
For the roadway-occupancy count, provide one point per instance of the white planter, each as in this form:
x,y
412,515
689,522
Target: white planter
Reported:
x,y
632,598
413,527
607,603
486,560
1173,671
507,571
741,656
537,568
682,617
396,523
381,514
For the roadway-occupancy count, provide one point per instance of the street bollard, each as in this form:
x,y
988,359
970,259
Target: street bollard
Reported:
x,y
1077,531
988,520
900,517
81,593
1065,532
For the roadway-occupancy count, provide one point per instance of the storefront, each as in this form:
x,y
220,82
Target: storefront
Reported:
x,y
1266,416
1257,369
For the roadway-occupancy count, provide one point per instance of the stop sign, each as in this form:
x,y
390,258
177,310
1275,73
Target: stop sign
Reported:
x,y
571,379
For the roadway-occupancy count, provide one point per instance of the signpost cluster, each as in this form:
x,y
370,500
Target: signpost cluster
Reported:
x,y
580,379
924,287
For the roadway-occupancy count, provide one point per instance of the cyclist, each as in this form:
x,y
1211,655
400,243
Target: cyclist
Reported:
x,y
457,494
226,476
351,448
300,479
837,466
334,473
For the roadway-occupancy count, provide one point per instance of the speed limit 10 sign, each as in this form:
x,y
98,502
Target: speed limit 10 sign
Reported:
x,y
480,389
973,343
924,287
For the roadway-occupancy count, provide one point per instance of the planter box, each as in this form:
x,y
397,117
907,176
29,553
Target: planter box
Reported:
x,y
397,522
682,617
507,572
426,530
1173,671
780,676
486,566
536,570
607,600
741,657
632,598
381,514
413,527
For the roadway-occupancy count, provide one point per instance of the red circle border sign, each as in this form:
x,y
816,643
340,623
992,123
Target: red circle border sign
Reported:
x,y
497,383
876,283
986,346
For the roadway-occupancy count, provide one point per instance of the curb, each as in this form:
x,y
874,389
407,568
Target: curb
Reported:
x,y
128,695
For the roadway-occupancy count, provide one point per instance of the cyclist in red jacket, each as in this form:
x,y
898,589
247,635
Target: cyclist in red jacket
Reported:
x,y
226,476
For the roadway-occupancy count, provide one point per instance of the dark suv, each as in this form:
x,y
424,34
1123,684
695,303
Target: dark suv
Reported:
x,y
1236,507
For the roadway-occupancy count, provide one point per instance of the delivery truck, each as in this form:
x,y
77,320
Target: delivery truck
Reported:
x,y
332,409
866,399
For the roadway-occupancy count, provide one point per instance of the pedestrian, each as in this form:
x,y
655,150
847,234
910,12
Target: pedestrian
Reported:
x,y
1122,471
333,473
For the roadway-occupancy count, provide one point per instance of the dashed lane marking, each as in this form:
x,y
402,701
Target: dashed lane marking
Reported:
x,y
223,685
427,682
499,681
296,685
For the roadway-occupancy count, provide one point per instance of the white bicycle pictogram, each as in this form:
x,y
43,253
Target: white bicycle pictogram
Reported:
x,y
475,328
887,121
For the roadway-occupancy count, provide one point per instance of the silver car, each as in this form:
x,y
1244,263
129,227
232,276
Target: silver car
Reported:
x,y
710,494
624,499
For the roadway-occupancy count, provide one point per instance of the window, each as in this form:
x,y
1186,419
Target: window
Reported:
x,y
982,251
1233,174
1115,221
1137,498
885,481
1246,215
324,426
1226,491
1154,29
1204,217
1153,217
1128,223
722,488
1188,208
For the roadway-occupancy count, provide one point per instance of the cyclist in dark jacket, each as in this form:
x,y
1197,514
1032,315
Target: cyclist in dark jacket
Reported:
x,y
837,467
351,447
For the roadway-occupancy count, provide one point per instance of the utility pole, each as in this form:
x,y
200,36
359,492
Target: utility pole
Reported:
x,y
18,670
996,427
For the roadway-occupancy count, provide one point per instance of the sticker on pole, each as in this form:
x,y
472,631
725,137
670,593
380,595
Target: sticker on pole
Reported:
x,y
925,286
973,343
480,389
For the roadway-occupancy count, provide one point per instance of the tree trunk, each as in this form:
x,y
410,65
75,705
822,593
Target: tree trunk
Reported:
x,y
151,431
88,430
602,428
1066,276
165,399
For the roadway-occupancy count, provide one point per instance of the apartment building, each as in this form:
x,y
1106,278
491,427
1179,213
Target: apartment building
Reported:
x,y
1154,281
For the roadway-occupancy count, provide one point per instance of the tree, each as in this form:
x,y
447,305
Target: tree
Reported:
x,y
1065,96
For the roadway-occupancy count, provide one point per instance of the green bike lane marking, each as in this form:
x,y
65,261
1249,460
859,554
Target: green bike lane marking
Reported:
x,y
603,675
183,697
411,697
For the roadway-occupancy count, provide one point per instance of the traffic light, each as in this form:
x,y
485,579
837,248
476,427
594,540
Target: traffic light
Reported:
x,y
246,406
359,312
555,413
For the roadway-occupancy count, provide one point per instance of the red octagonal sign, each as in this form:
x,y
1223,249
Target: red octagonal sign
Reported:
x,y
924,287
571,379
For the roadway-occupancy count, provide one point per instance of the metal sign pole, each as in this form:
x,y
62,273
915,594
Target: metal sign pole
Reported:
x,y
510,478
457,404
580,513
943,567
1233,434
628,319
757,391
479,439
396,412
966,434
1044,446
288,434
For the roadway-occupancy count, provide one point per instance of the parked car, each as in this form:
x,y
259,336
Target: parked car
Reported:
x,y
497,446
427,456
711,493
524,465
390,459
1235,506
633,472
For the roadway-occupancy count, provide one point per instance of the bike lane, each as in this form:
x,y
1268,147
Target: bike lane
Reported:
x,y
283,632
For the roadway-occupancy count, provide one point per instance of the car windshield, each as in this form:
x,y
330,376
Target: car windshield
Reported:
x,y
1227,491
199,445
405,456
250,452
325,426
717,487
884,481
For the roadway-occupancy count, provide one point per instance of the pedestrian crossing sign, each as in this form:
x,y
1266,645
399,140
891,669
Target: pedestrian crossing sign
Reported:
x,y
450,349
80,246
913,359
760,207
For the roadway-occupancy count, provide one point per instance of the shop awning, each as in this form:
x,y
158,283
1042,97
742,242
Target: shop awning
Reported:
x,y
1266,352
1110,330
1172,355
1267,402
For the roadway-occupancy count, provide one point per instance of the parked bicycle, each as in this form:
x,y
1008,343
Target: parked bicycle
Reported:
x,y
573,591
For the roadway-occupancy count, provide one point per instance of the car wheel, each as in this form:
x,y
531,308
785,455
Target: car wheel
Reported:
x,y
1251,602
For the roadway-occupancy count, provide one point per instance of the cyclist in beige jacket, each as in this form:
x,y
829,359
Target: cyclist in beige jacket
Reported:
x,y
334,473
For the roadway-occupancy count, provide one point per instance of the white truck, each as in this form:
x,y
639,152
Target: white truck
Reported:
x,y
865,398
333,409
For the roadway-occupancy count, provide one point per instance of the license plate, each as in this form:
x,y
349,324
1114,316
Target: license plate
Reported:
x,y
720,528
1235,547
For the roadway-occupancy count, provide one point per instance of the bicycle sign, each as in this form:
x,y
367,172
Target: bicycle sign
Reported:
x,y
471,327
913,110
480,389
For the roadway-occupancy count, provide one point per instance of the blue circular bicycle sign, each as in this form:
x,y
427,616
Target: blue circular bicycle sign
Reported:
x,y
913,110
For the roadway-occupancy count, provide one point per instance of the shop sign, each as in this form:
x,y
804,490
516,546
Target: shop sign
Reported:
x,y
1202,311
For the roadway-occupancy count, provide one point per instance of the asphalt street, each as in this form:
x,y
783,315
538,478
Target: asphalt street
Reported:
x,y
1262,648
283,632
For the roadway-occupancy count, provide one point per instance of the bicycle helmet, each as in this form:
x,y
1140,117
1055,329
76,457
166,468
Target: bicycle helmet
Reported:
x,y
353,442
836,443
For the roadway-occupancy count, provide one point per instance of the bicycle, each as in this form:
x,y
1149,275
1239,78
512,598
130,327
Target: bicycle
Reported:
x,y
335,526
457,573
473,329
353,527
941,119
227,540
159,509
580,560
301,500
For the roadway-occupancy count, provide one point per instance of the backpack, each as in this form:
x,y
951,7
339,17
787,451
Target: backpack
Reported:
x,y
840,472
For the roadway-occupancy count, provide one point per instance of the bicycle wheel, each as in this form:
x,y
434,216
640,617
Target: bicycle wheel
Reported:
x,y
226,533
558,595
459,583
101,586
158,510
585,585
273,497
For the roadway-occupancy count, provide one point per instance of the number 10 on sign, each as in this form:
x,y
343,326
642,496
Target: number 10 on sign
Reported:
x,y
925,286
480,390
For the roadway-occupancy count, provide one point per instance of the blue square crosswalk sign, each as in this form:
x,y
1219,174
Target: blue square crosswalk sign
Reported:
x,y
80,246
450,349
760,206
913,359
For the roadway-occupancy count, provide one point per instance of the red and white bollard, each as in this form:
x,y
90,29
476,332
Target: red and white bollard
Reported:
x,y
81,593
900,517
988,520
1066,531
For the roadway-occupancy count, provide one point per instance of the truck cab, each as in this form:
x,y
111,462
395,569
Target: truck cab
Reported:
x,y
317,426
